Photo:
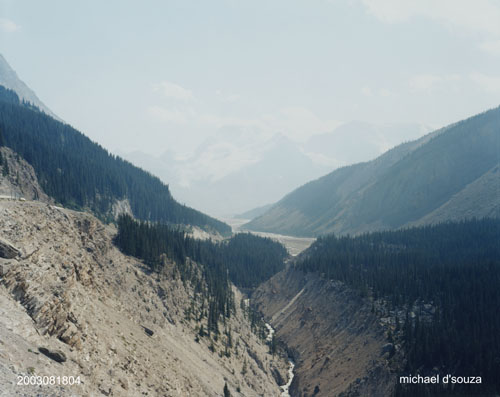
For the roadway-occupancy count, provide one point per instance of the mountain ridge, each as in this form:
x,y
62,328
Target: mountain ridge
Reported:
x,y
376,194
10,79
80,174
226,169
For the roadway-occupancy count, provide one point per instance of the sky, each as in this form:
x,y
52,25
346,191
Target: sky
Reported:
x,y
166,75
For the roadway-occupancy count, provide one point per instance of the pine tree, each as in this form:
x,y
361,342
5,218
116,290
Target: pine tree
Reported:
x,y
272,345
5,168
227,393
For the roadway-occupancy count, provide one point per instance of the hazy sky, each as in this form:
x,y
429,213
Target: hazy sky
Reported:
x,y
157,75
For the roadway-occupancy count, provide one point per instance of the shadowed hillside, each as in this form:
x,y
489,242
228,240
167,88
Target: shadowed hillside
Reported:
x,y
79,173
432,178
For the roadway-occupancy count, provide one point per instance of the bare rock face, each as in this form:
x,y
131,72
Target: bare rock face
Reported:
x,y
121,207
20,180
334,338
56,355
7,250
70,291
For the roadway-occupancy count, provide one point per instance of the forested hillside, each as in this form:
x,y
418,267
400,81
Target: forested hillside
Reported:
x,y
446,175
246,260
79,173
442,284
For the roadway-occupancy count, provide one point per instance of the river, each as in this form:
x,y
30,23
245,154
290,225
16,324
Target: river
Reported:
x,y
294,245
285,388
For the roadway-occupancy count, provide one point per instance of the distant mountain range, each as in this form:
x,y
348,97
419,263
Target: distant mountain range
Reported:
x,y
452,173
237,170
357,141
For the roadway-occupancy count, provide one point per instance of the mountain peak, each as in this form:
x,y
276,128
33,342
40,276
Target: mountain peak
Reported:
x,y
9,79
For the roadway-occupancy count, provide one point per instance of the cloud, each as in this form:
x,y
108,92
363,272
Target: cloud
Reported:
x,y
487,83
173,91
478,17
424,82
171,115
492,47
178,107
475,16
8,26
297,122
386,93
427,83
224,97
382,92
431,83
367,91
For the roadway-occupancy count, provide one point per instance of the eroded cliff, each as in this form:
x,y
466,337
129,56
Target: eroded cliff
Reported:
x,y
339,345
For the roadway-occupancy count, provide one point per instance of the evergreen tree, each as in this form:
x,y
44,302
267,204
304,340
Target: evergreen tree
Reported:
x,y
5,168
272,345
227,393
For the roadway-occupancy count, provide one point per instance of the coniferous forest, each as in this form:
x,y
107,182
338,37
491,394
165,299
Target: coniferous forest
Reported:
x,y
245,259
441,282
79,173
455,268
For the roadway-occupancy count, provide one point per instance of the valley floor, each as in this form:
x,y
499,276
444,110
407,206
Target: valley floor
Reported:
x,y
294,245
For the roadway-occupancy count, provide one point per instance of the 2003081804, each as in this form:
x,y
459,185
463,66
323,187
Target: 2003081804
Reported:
x,y
35,380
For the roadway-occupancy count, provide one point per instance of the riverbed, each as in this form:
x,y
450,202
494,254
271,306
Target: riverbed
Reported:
x,y
286,388
294,245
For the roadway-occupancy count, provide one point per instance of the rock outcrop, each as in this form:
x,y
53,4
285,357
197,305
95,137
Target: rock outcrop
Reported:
x,y
56,355
18,178
7,250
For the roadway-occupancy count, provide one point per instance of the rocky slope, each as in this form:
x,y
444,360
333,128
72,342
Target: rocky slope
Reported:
x,y
121,329
339,346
